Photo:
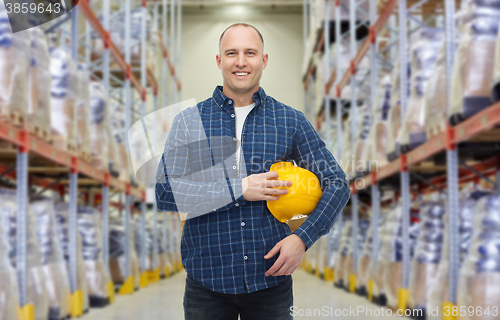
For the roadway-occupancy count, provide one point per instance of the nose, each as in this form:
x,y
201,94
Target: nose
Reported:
x,y
242,62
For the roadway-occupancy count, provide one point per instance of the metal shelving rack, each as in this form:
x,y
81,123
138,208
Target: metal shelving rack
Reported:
x,y
445,143
29,145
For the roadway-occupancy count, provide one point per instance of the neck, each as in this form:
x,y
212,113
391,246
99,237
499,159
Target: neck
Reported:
x,y
240,99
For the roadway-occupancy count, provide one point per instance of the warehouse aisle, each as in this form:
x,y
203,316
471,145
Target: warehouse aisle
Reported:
x,y
164,301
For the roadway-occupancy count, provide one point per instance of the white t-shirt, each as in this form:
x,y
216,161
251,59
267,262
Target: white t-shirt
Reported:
x,y
241,115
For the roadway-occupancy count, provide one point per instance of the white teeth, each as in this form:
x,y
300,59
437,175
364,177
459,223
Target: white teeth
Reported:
x,y
241,74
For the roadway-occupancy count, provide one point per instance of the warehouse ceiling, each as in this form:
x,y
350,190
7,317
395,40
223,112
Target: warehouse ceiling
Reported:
x,y
241,6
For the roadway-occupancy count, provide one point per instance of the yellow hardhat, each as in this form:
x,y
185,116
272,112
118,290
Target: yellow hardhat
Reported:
x,y
303,195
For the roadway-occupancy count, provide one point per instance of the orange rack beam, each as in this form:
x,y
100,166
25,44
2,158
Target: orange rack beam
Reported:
x,y
14,135
467,130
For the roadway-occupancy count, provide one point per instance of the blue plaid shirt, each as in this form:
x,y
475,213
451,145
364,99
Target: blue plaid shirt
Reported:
x,y
225,238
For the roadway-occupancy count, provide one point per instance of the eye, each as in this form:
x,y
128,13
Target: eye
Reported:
x,y
230,53
251,53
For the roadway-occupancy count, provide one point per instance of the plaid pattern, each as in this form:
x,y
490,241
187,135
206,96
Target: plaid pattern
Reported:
x,y
225,237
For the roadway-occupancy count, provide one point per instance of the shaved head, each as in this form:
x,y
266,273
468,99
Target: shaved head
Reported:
x,y
241,25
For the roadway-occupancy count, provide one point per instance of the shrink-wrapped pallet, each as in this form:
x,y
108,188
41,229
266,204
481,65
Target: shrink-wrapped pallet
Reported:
x,y
117,126
341,257
14,70
391,254
82,111
115,162
53,264
331,247
64,95
362,70
9,291
312,257
394,117
439,290
36,293
98,125
363,226
39,84
153,253
376,274
162,253
435,95
90,228
117,34
154,54
169,257
319,11
427,254
364,124
377,140
479,281
474,59
319,81
423,55
321,251
347,158
117,260
495,84
62,216
366,257
333,139
148,249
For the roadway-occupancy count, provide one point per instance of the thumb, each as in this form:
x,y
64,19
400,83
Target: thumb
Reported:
x,y
273,251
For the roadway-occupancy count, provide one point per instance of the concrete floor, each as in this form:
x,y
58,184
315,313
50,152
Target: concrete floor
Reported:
x,y
163,300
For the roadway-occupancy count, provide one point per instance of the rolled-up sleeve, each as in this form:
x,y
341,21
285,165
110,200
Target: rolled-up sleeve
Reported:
x,y
311,153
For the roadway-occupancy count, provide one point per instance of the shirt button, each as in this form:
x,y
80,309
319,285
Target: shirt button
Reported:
x,y
230,102
243,224
234,167
237,204
245,257
232,116
234,139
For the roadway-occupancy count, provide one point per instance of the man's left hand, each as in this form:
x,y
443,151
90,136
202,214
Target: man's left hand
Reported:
x,y
291,250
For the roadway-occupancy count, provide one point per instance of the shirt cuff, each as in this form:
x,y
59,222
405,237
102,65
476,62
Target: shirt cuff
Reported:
x,y
237,186
308,241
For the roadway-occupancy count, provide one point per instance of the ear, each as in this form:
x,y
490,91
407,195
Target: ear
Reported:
x,y
218,60
265,60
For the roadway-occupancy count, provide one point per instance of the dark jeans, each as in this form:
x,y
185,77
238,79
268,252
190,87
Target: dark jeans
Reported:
x,y
273,303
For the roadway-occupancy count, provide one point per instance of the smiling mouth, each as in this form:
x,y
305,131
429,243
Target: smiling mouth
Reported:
x,y
241,74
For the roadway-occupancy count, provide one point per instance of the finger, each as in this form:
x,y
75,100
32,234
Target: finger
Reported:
x,y
276,191
271,175
281,271
291,270
276,266
273,251
278,183
269,198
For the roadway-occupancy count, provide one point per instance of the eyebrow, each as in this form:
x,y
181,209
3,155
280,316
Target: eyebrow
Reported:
x,y
249,49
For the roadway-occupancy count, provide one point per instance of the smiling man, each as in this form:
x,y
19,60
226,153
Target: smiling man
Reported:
x,y
238,257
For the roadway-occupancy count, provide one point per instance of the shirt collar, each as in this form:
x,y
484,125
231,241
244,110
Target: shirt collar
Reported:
x,y
221,100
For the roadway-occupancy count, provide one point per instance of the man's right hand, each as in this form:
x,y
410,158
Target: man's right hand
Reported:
x,y
259,187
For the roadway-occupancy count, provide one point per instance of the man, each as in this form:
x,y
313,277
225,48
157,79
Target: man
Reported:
x,y
238,257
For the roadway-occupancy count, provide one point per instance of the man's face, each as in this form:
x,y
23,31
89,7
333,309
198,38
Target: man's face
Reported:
x,y
241,59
